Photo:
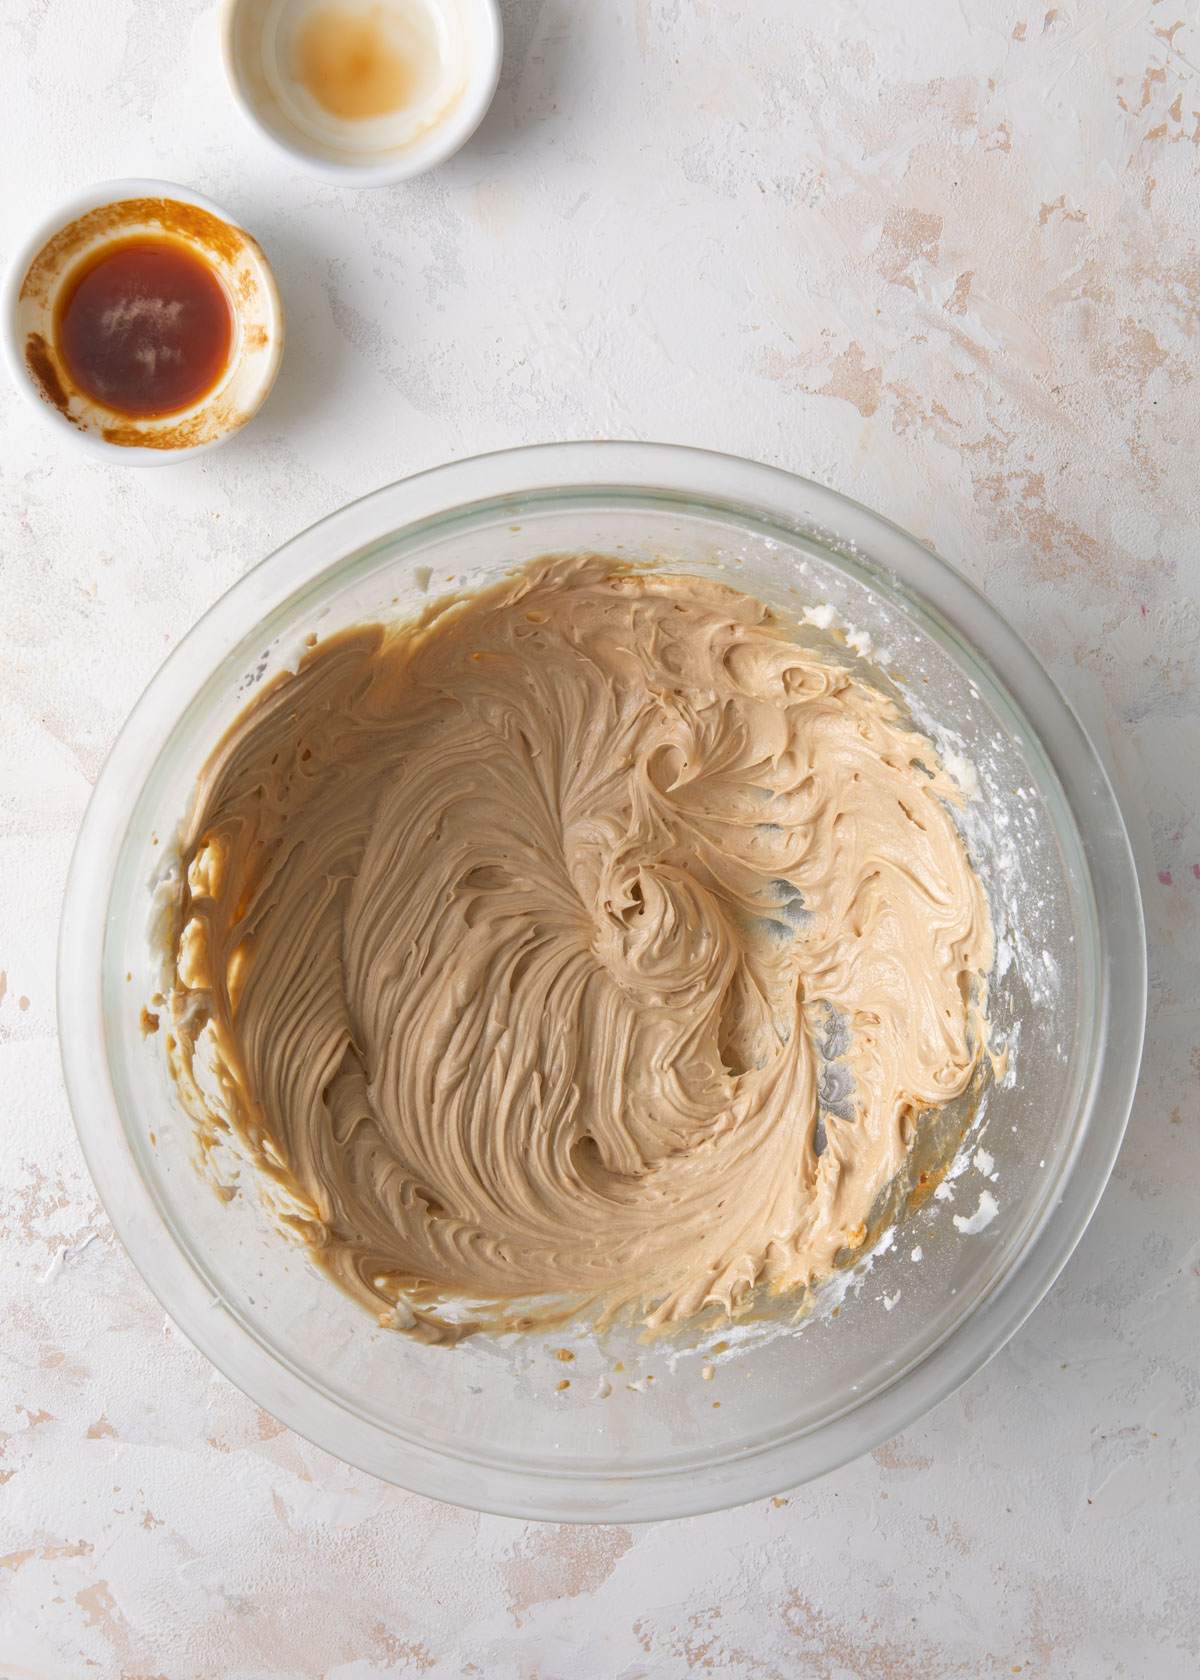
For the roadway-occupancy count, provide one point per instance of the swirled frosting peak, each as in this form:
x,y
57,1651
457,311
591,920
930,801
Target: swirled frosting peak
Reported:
x,y
590,937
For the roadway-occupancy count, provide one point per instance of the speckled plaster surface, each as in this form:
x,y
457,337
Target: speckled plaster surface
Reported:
x,y
944,256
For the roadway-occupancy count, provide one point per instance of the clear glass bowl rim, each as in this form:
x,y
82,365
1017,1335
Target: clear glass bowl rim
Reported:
x,y
701,479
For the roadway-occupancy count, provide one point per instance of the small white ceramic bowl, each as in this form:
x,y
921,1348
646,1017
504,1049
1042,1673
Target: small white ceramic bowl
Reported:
x,y
46,264
448,51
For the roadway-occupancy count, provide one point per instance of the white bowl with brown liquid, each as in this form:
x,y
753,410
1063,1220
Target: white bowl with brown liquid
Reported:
x,y
142,323
363,93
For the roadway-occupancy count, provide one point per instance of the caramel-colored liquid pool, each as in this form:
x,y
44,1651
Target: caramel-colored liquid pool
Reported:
x,y
145,328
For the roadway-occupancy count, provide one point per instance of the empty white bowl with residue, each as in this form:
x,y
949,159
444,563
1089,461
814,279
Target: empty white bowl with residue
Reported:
x,y
363,93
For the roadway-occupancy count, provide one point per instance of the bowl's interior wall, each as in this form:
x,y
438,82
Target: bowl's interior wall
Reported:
x,y
491,1402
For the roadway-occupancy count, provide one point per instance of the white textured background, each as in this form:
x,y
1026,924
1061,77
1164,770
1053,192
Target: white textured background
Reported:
x,y
943,256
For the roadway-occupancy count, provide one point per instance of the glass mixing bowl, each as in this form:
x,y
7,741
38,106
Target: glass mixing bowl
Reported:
x,y
668,1427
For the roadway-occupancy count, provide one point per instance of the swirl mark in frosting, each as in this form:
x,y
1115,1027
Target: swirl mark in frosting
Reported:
x,y
588,938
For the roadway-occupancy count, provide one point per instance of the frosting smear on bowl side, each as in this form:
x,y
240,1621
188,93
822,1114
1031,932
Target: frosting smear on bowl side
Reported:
x,y
589,938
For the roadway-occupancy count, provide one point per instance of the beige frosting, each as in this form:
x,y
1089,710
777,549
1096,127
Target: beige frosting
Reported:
x,y
589,936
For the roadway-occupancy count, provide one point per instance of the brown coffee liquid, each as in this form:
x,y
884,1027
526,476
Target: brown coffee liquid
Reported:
x,y
351,66
146,328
